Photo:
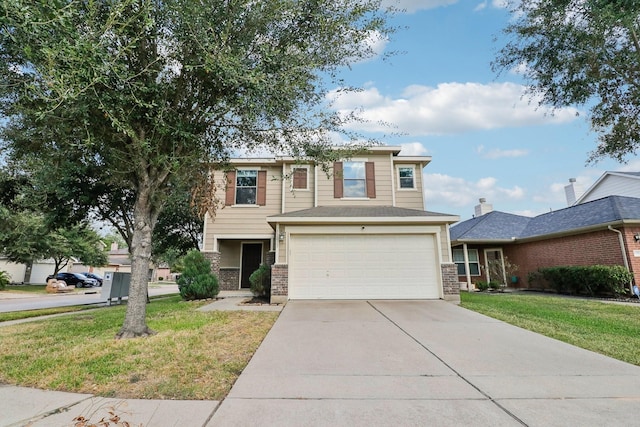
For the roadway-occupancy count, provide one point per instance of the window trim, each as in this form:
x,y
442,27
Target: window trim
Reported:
x,y
413,173
476,262
235,201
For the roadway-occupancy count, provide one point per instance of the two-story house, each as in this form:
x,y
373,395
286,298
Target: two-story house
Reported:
x,y
359,231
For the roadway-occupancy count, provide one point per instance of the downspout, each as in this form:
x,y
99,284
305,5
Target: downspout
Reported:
x,y
315,185
624,254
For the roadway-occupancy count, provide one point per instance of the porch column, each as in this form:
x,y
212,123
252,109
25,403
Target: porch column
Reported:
x,y
467,270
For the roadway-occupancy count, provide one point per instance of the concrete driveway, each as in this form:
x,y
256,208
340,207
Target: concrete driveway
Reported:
x,y
383,363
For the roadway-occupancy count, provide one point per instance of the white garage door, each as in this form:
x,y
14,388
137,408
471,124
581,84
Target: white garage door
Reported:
x,y
382,266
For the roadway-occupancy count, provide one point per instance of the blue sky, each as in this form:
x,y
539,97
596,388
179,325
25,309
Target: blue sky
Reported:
x,y
485,139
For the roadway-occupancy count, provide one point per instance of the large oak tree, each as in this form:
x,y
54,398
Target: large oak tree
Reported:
x,y
582,52
122,96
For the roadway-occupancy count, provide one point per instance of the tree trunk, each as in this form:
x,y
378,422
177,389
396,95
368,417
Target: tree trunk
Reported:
x,y
135,324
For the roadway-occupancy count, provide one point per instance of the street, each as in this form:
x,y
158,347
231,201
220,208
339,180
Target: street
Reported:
x,y
20,302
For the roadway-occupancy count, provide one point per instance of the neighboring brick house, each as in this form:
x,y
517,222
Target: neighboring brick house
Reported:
x,y
358,232
604,231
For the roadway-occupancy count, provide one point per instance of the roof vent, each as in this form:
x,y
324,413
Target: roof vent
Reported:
x,y
483,207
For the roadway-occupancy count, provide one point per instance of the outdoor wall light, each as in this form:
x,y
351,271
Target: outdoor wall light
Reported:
x,y
637,237
281,237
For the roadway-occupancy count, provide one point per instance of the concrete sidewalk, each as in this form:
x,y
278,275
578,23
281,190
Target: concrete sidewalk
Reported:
x,y
358,363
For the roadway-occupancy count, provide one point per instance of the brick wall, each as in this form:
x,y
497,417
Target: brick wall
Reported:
x,y
214,258
279,283
597,247
450,283
229,279
600,247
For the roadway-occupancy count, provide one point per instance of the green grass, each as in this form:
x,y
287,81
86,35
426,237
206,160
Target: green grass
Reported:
x,y
194,355
18,315
32,289
609,329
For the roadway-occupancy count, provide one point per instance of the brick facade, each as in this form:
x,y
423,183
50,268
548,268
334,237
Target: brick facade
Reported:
x,y
279,283
450,283
600,247
214,259
229,279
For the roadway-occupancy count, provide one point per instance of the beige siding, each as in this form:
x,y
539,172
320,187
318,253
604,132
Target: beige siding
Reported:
x,y
229,253
445,244
249,219
411,199
383,185
298,199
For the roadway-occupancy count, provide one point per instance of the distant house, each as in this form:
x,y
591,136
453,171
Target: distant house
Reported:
x,y
359,231
604,231
612,184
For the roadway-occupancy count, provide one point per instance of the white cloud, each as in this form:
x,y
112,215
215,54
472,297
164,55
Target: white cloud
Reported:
x,y
411,6
413,149
448,190
480,6
497,153
500,4
449,108
632,166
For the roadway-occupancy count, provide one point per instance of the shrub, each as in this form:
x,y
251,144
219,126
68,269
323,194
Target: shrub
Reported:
x,y
4,279
196,280
160,278
261,281
495,285
482,286
588,280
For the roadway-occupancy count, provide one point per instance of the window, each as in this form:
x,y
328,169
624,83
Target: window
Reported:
x,y
405,177
299,178
474,263
354,179
246,187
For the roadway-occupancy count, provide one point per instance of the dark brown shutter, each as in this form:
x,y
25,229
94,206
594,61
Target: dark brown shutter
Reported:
x,y
300,178
337,180
261,198
371,179
230,196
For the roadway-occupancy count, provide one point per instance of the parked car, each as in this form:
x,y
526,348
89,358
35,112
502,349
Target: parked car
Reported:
x,y
98,277
78,280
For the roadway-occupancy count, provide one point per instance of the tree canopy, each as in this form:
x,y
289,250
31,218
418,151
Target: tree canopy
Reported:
x,y
582,52
118,97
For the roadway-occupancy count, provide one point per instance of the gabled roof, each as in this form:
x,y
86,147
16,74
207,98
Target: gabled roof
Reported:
x,y
630,175
500,226
360,213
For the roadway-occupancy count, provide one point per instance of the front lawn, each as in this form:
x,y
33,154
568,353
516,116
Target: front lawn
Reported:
x,y
609,329
195,355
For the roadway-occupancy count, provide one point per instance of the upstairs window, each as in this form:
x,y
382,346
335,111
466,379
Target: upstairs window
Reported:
x,y
299,178
405,177
354,179
246,187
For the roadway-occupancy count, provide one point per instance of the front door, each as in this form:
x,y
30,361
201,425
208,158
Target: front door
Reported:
x,y
251,260
494,266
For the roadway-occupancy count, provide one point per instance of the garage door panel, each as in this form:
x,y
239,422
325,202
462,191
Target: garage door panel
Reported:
x,y
363,267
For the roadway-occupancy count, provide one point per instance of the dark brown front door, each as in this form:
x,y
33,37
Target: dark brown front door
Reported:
x,y
251,259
